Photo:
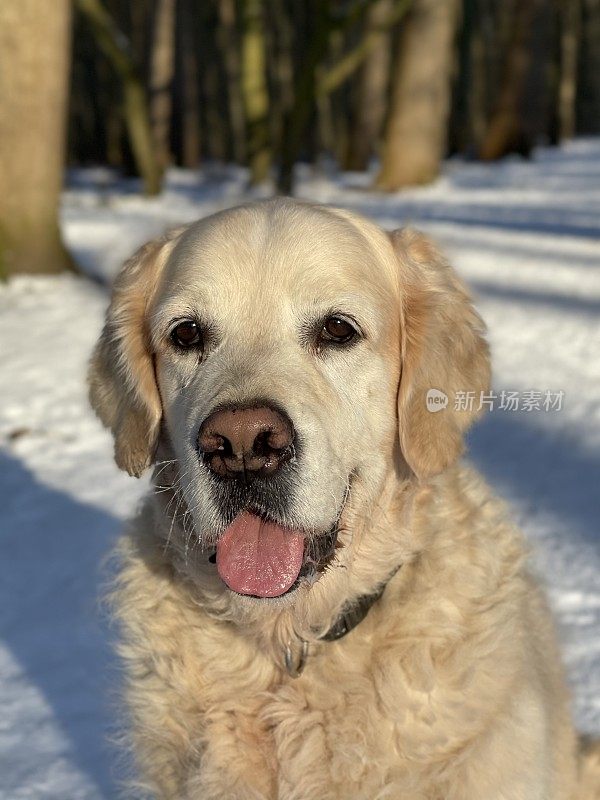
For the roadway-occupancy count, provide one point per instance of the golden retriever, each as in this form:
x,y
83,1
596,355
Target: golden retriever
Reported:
x,y
319,600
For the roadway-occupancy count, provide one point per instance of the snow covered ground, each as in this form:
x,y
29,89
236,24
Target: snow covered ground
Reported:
x,y
526,237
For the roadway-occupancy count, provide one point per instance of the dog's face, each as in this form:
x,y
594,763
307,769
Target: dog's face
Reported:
x,y
281,354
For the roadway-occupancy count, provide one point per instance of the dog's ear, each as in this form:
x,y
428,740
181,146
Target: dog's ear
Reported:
x,y
444,354
122,384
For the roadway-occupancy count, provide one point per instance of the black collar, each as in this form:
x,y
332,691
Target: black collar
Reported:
x,y
351,615
354,612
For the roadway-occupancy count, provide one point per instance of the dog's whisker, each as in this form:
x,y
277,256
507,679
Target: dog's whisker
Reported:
x,y
163,466
173,517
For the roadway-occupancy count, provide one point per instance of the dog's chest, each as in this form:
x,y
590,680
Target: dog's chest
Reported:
x,y
328,733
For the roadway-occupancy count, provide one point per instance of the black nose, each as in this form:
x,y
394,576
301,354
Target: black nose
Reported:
x,y
240,441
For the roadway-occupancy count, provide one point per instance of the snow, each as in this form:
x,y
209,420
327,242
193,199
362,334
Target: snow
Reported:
x,y
525,235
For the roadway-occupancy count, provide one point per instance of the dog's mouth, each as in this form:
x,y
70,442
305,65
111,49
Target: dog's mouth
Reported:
x,y
262,558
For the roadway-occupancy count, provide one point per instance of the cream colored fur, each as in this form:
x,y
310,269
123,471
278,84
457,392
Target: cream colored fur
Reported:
x,y
451,688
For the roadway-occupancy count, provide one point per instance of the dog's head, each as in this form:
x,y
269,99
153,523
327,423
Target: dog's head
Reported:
x,y
277,360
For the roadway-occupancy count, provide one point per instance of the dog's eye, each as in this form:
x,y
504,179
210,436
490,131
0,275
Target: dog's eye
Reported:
x,y
186,334
338,330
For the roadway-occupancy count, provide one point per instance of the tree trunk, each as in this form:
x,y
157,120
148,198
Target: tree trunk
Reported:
x,y
570,24
230,47
108,114
415,136
190,89
216,144
35,49
371,92
459,126
255,91
296,122
588,89
115,47
478,96
505,130
281,50
162,69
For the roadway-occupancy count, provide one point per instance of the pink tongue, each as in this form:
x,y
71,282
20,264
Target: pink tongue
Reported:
x,y
258,557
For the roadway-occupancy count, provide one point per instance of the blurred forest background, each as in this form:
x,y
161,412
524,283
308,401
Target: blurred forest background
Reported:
x,y
141,85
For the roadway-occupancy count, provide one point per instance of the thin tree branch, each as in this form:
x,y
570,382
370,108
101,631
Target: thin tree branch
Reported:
x,y
340,72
